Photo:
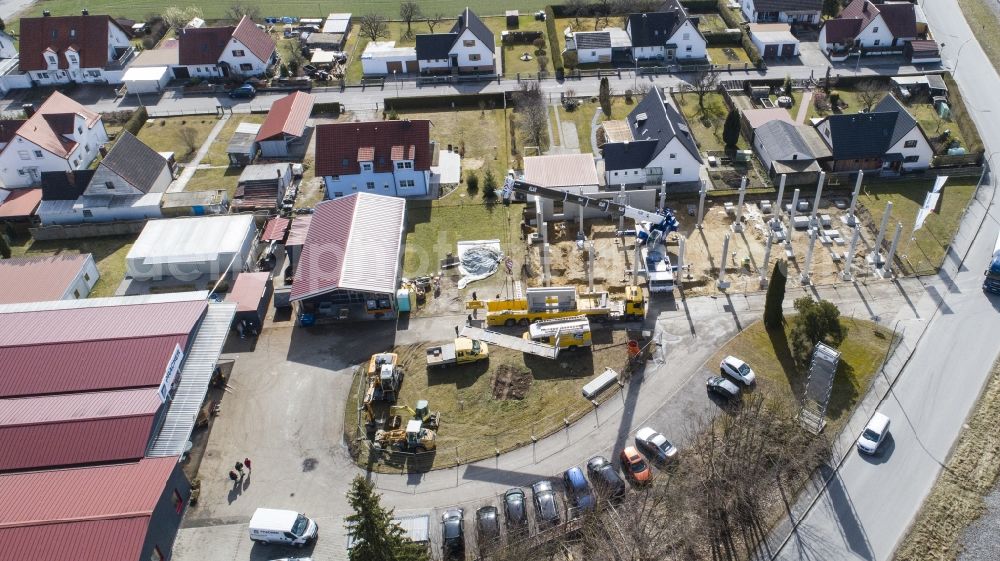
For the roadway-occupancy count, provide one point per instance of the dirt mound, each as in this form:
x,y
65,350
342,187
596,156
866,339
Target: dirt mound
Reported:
x,y
511,382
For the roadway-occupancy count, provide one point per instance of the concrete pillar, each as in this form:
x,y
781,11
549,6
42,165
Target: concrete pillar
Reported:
x,y
848,275
738,224
701,204
876,256
590,266
621,199
663,195
764,267
819,193
887,266
635,263
722,284
809,257
545,264
781,195
791,216
854,198
681,242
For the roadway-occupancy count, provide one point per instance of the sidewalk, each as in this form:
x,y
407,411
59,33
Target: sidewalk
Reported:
x,y
191,167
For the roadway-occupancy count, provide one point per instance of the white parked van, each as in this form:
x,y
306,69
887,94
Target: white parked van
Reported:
x,y
287,527
874,434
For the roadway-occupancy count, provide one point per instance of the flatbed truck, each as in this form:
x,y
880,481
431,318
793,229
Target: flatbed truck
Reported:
x,y
545,303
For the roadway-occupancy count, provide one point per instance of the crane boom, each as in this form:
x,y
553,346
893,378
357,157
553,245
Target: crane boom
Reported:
x,y
663,220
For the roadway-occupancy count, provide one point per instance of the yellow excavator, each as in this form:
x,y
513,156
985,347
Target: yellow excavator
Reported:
x,y
414,438
428,419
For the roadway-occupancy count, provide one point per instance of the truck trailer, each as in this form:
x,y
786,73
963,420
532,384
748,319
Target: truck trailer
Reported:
x,y
556,302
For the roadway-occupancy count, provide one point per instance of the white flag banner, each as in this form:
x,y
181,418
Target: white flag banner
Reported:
x,y
939,183
930,203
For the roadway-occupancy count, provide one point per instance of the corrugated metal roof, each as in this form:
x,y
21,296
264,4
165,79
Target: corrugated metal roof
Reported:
x,y
275,229
78,407
299,230
288,115
33,370
561,170
29,279
20,203
199,364
118,539
247,291
353,243
167,297
83,493
97,324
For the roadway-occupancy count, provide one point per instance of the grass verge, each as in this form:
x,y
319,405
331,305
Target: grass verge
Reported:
x,y
769,355
983,22
956,500
109,254
479,135
165,135
924,252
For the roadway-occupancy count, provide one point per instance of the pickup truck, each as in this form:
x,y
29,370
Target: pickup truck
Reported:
x,y
461,351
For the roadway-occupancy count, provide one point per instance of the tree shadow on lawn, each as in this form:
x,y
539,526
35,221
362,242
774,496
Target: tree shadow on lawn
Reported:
x,y
779,344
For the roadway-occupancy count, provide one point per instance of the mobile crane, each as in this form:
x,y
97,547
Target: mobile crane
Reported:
x,y
651,227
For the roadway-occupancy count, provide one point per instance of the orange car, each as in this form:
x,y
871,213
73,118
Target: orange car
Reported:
x,y
635,466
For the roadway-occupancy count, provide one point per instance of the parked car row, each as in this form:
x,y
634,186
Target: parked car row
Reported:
x,y
733,373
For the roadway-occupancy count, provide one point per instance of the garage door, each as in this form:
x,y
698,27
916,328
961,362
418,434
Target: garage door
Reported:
x,y
412,66
181,73
788,51
394,66
770,51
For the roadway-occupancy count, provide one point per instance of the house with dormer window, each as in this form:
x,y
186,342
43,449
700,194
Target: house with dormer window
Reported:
x,y
667,34
468,47
384,157
61,135
84,49
211,52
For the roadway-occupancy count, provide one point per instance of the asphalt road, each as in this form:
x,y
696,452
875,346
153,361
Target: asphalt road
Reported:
x,y
871,502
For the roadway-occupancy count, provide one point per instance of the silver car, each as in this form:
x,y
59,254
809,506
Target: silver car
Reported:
x,y
738,370
654,444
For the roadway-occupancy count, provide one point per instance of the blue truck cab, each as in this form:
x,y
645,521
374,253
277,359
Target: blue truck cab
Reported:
x,y
992,281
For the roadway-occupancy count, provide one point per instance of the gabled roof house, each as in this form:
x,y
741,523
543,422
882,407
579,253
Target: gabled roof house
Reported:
x,y
383,157
468,47
83,49
866,25
667,34
240,51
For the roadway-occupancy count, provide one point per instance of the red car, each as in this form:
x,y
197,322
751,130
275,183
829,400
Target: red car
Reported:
x,y
635,467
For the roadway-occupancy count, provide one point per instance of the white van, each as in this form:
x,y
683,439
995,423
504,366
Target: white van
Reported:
x,y
287,527
874,433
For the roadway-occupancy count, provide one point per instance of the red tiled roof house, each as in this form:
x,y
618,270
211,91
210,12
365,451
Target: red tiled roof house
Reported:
x,y
384,158
83,49
61,135
241,51
865,25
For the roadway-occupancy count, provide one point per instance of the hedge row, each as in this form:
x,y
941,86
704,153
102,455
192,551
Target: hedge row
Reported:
x,y
520,37
960,113
701,6
135,123
555,54
456,101
723,37
330,108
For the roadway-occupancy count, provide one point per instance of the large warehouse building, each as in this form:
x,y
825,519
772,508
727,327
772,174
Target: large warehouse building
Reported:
x,y
351,260
192,248
98,400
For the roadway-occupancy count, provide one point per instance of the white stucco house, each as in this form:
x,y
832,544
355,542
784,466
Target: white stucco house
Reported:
x,y
654,145
61,135
667,35
872,26
468,47
127,185
784,11
887,140
84,49
241,51
383,157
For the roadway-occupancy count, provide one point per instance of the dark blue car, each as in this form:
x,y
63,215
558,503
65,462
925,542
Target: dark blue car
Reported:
x,y
577,489
246,91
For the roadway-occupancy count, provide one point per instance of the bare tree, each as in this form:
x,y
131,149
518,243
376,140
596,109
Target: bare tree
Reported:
x,y
869,92
576,9
703,83
240,8
188,137
433,20
602,10
373,26
529,103
409,11
177,17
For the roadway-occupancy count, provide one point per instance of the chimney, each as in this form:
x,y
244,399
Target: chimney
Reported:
x,y
46,13
85,12
29,109
102,150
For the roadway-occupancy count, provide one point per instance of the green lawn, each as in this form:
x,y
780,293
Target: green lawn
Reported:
x,y
709,23
482,134
141,9
933,125
512,53
215,178
164,134
216,155
355,46
433,228
706,124
582,115
769,355
925,252
718,55
796,101
109,253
